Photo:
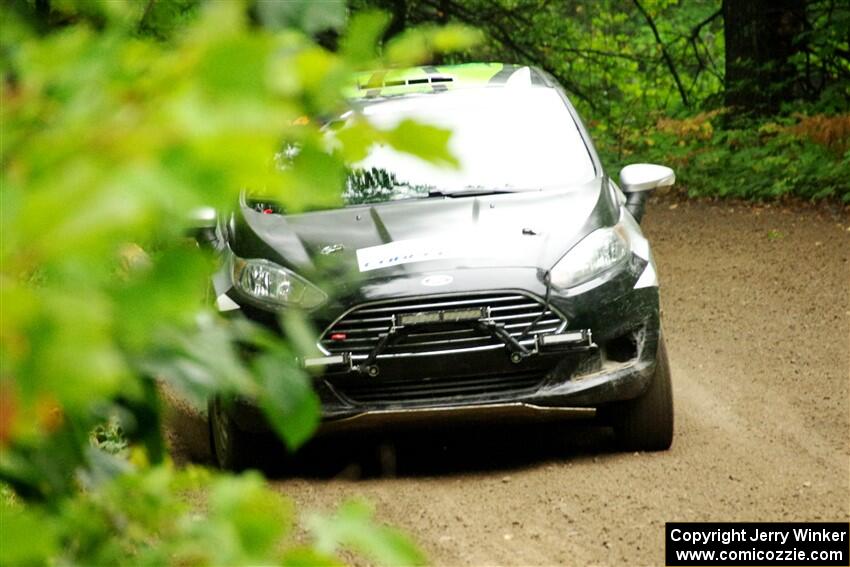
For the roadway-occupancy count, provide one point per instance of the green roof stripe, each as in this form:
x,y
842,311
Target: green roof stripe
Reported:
x,y
428,79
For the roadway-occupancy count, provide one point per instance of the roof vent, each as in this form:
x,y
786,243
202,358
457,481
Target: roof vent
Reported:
x,y
434,79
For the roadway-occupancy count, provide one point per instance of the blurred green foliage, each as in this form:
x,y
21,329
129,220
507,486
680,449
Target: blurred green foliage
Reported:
x,y
192,517
118,120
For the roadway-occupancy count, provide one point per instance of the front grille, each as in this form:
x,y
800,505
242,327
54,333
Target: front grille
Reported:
x,y
359,330
395,390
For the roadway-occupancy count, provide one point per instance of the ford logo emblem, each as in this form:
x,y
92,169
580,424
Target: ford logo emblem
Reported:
x,y
434,281
332,249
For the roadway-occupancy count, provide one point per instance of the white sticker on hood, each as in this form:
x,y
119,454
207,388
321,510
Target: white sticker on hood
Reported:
x,y
407,252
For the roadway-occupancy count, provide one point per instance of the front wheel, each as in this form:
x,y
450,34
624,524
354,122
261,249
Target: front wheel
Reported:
x,y
646,423
231,445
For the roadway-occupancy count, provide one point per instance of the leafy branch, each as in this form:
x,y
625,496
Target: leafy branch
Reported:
x,y
668,60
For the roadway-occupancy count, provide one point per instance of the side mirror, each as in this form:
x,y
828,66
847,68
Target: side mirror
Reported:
x,y
638,179
202,226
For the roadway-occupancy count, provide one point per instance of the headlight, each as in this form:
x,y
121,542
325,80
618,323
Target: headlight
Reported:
x,y
273,286
596,253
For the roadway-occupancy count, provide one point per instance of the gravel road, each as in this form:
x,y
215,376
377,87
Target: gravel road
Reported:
x,y
756,311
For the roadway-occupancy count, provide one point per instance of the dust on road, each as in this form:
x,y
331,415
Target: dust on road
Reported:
x,y
756,311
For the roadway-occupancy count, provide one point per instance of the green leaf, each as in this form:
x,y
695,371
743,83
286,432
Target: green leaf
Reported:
x,y
360,42
353,526
429,143
356,138
287,398
144,302
307,557
300,332
315,180
408,48
307,15
27,537
235,67
199,361
260,516
455,37
417,45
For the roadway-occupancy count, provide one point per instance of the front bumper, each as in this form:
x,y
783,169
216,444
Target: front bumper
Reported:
x,y
624,322
574,396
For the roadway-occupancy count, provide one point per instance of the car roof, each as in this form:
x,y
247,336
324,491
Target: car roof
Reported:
x,y
439,78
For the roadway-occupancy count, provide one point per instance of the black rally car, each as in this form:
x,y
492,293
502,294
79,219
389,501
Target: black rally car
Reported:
x,y
518,283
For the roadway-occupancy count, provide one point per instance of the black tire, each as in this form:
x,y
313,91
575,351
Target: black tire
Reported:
x,y
232,447
646,423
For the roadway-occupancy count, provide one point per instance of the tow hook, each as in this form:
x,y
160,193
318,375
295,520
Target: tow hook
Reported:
x,y
372,370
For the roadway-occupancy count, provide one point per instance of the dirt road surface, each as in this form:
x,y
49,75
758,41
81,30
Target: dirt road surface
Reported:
x,y
756,311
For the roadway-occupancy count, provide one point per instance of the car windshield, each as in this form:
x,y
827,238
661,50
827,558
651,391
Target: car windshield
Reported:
x,y
505,139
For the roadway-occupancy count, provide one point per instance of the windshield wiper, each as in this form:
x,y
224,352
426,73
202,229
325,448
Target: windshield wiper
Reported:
x,y
468,192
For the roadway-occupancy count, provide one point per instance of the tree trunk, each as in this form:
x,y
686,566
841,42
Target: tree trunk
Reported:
x,y
760,41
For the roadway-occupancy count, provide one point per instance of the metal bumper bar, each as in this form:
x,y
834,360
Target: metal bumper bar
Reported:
x,y
569,341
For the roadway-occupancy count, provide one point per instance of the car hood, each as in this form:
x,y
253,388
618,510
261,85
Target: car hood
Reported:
x,y
527,229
